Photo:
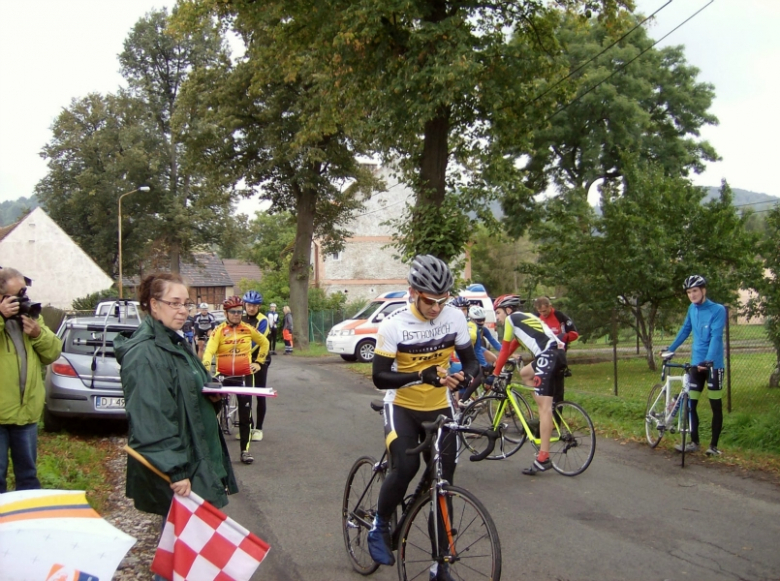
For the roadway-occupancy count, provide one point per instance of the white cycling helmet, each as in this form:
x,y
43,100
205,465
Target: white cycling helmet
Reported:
x,y
476,313
203,306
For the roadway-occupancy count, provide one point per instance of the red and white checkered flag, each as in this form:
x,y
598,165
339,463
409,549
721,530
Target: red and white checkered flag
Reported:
x,y
201,543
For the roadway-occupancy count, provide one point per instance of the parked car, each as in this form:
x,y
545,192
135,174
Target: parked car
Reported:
x,y
355,338
84,382
116,307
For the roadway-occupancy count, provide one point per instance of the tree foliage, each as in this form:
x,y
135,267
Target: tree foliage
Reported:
x,y
654,109
104,146
12,211
632,259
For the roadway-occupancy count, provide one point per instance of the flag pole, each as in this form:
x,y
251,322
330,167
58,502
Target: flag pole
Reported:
x,y
146,463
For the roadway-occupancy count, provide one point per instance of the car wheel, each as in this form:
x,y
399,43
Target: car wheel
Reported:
x,y
349,357
365,351
51,423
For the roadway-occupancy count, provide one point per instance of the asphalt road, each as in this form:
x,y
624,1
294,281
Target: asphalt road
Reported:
x,y
634,514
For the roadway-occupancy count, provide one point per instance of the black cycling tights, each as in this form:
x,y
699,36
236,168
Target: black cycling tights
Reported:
x,y
406,424
717,420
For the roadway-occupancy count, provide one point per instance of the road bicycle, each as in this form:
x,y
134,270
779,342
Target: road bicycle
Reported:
x,y
505,410
439,522
662,413
228,413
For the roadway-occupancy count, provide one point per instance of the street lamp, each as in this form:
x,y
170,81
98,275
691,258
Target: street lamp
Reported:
x,y
138,189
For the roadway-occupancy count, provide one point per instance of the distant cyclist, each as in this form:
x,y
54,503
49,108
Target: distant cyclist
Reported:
x,y
231,342
484,355
563,327
706,320
549,360
273,326
204,322
411,356
252,301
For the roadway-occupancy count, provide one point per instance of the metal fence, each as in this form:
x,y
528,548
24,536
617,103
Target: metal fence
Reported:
x,y
621,368
320,322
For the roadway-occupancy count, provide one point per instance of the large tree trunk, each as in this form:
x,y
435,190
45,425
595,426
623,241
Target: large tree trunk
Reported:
x,y
433,162
300,266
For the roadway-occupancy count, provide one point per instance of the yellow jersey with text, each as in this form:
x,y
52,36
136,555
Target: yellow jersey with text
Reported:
x,y
232,346
416,343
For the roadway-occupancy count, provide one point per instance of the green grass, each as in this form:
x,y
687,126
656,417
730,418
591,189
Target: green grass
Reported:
x,y
314,350
74,462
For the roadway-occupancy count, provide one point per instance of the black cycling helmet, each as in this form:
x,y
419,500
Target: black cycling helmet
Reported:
x,y
513,301
430,275
461,303
694,281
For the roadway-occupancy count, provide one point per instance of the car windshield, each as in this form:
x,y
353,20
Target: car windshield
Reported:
x,y
85,342
368,311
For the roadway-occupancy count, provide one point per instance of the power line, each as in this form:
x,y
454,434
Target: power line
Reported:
x,y
622,67
586,63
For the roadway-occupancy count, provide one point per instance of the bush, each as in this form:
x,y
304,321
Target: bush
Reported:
x,y
90,302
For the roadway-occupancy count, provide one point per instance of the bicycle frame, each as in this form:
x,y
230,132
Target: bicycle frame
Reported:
x,y
670,406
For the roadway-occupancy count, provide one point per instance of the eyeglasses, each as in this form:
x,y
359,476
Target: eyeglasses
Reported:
x,y
430,301
177,306
235,312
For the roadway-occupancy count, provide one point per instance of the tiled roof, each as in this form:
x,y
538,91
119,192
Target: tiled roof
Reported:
x,y
6,230
239,269
207,270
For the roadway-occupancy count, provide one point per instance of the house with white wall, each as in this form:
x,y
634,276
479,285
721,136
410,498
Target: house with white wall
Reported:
x,y
366,267
60,270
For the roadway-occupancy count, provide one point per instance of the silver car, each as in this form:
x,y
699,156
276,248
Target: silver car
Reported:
x,y
84,382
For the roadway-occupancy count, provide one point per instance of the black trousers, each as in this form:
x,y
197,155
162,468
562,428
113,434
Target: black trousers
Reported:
x,y
247,421
272,338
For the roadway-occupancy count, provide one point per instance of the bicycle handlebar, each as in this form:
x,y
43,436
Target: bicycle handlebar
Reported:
x,y
431,427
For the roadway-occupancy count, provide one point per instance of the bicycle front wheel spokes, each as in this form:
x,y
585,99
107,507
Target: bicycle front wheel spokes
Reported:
x,y
224,416
465,540
654,415
358,511
478,415
573,451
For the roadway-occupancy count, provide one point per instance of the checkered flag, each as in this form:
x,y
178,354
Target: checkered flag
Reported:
x,y
201,543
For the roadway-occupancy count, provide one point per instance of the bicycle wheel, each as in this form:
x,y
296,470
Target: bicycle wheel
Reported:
x,y
684,412
573,452
514,431
654,414
224,416
478,416
358,510
468,546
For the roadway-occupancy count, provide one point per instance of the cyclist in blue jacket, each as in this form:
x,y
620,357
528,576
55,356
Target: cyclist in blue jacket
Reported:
x,y
706,319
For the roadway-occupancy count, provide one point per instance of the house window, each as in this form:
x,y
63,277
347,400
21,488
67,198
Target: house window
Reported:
x,y
334,256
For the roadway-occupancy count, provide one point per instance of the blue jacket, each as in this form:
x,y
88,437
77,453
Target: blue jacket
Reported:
x,y
707,321
479,346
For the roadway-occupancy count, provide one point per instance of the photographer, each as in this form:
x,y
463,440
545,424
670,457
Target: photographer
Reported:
x,y
26,346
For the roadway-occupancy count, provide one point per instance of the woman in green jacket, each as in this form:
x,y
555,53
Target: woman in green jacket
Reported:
x,y
172,423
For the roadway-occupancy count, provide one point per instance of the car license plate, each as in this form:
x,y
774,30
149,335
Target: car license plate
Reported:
x,y
109,403
330,345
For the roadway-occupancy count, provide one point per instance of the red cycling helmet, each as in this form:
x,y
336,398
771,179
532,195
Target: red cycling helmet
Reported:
x,y
513,301
232,302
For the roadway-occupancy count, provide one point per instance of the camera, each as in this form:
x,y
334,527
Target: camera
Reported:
x,y
27,307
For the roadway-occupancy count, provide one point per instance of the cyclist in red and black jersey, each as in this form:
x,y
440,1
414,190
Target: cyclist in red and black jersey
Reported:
x,y
563,327
549,361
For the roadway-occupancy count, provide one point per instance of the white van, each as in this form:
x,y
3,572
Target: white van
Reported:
x,y
355,338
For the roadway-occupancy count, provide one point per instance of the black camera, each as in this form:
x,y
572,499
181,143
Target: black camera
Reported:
x,y
27,307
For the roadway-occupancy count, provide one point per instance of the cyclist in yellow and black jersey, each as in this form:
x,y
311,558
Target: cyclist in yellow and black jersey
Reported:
x,y
549,360
411,357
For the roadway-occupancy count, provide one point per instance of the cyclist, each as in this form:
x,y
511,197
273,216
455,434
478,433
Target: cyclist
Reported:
x,y
189,329
706,319
549,360
231,342
413,346
204,322
461,303
484,356
252,301
564,329
273,326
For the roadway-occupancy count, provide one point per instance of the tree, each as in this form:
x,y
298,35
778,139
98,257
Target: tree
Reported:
x,y
632,259
247,129
653,108
494,260
104,146
433,86
767,283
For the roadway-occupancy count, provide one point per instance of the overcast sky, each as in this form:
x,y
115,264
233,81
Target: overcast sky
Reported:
x,y
52,51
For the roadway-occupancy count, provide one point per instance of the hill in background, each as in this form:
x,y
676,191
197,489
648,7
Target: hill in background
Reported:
x,y
12,210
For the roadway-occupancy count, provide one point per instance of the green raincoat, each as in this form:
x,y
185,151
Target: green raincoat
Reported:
x,y
172,423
